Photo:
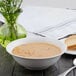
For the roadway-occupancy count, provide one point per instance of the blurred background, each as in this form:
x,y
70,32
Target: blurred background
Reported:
x,y
52,3
40,14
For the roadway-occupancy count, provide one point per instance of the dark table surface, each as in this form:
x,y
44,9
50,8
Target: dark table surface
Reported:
x,y
8,67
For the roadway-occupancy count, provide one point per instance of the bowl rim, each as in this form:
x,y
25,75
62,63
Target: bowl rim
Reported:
x,y
32,58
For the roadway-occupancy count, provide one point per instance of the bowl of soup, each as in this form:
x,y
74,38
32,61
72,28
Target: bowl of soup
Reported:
x,y
36,53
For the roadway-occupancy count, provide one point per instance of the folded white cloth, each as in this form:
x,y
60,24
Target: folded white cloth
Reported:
x,y
61,31
37,18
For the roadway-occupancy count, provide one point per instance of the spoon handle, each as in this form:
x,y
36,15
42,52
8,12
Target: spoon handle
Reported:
x,y
66,72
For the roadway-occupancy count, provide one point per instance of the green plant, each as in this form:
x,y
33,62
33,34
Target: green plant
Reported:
x,y
10,9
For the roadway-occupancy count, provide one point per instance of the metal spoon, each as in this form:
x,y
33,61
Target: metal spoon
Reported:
x,y
67,36
66,72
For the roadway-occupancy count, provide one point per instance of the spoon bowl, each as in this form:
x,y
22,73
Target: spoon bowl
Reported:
x,y
69,70
74,62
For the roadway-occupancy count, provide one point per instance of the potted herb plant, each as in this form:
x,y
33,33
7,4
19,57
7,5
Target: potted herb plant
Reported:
x,y
11,30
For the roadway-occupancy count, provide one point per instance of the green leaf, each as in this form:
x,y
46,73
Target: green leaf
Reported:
x,y
5,34
10,9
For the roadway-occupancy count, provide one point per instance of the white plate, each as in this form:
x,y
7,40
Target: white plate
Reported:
x,y
69,51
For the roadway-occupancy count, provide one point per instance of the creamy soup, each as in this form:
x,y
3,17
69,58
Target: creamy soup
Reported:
x,y
36,50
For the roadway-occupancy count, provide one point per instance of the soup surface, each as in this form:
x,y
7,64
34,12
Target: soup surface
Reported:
x,y
36,50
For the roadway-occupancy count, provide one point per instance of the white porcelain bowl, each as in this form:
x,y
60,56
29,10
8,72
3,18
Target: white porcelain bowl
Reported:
x,y
35,63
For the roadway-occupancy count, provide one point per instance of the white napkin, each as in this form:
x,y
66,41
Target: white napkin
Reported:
x,y
37,18
61,31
